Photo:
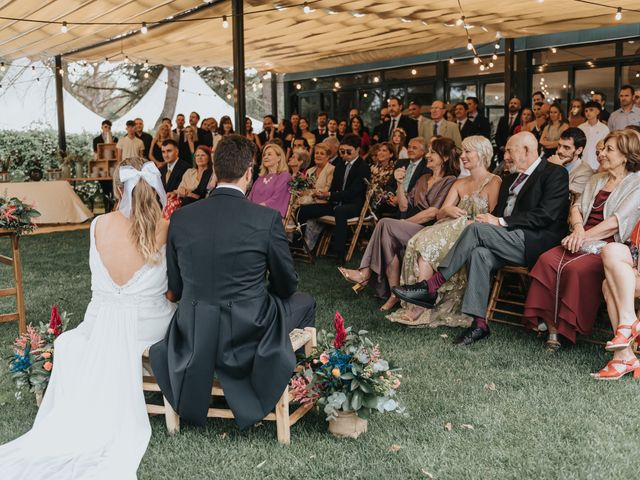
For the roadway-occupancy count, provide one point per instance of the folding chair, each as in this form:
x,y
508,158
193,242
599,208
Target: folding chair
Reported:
x,y
293,228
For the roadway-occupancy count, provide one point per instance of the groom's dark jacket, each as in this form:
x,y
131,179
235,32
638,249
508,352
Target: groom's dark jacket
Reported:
x,y
229,324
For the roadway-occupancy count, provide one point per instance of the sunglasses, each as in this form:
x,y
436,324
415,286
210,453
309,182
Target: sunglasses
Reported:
x,y
346,151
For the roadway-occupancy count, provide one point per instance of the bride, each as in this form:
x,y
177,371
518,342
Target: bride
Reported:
x,y
93,421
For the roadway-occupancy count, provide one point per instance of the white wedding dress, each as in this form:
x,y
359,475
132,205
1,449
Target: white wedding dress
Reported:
x,y
93,422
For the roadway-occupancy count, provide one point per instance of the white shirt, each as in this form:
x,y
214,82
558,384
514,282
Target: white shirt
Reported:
x,y
230,185
131,147
513,194
594,134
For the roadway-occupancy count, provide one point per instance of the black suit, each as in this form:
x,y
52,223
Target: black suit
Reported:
x,y
175,177
343,203
320,136
97,140
504,131
204,138
147,139
469,128
483,126
408,124
229,323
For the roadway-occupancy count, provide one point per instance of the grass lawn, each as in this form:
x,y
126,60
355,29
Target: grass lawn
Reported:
x,y
545,419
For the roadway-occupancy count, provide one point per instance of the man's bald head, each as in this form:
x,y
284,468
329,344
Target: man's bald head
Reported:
x,y
522,150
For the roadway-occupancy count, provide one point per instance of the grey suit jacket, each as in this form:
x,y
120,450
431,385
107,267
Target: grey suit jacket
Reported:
x,y
579,176
447,129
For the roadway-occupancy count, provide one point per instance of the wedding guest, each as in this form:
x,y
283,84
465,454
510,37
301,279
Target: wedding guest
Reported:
x,y
373,154
481,122
398,141
565,290
342,129
541,116
214,126
438,125
334,145
415,166
468,197
507,124
381,262
332,127
130,145
466,126
295,124
188,146
193,185
299,162
178,134
155,154
252,137
381,180
321,173
271,189
601,99
226,127
526,117
628,113
569,155
166,120
551,133
595,131
530,218
537,97
269,130
305,133
377,131
200,135
105,136
346,195
397,120
321,132
415,113
576,113
620,288
357,127
285,131
173,168
144,136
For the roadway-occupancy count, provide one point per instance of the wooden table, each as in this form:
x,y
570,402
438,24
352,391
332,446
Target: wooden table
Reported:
x,y
17,290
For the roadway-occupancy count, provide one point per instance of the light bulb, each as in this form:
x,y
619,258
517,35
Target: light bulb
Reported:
x,y
460,22
490,64
307,9
225,23
64,28
337,84
222,82
476,60
144,28
619,14
61,71
497,46
414,71
126,59
146,74
376,79
2,67
452,61
554,49
482,67
469,45
146,64
494,56
298,86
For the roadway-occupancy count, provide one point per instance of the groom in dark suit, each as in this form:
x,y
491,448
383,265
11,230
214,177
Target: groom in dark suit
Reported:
x,y
229,322
529,219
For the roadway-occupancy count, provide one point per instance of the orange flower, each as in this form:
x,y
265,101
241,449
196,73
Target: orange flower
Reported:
x,y
47,366
335,372
46,355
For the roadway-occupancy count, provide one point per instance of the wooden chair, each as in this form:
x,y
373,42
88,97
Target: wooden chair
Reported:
x,y
16,290
367,218
281,415
510,295
292,227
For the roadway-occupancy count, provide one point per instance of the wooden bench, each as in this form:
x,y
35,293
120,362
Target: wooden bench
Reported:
x,y
281,415
16,290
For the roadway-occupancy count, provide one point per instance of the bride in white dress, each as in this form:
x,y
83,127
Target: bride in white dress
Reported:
x,y
93,422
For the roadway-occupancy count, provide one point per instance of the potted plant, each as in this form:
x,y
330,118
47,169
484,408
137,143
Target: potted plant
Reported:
x,y
348,378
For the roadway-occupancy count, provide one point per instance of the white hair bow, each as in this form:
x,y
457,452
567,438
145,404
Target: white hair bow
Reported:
x,y
130,177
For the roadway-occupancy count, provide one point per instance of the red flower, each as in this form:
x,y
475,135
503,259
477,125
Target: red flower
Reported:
x,y
55,323
341,333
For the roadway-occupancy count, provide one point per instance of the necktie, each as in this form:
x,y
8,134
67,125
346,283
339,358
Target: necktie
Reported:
x,y
521,178
435,129
460,125
393,127
407,178
346,174
511,119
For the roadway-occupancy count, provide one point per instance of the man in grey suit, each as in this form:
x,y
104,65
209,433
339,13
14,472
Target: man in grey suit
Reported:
x,y
229,322
437,125
529,219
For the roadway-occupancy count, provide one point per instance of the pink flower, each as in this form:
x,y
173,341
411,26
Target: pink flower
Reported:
x,y
341,333
46,355
324,358
47,366
300,391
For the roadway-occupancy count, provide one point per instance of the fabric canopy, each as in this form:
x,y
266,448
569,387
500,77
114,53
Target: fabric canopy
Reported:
x,y
336,33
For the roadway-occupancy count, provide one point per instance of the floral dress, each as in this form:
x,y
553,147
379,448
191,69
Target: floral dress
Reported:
x,y
432,244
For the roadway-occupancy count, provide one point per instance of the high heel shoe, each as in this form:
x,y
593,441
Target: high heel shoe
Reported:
x,y
358,285
611,373
621,341
552,344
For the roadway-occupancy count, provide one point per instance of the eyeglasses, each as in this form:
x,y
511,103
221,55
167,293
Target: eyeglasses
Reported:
x,y
346,151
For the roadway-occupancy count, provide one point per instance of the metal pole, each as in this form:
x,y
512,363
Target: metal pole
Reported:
x,y
509,71
238,64
62,138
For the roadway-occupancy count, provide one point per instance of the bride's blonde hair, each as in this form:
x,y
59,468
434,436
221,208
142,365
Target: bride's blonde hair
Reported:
x,y
145,212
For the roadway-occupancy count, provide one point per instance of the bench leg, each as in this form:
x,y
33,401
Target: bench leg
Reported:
x,y
311,344
171,418
17,277
283,423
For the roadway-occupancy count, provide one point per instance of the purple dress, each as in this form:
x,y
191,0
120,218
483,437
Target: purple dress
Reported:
x,y
272,189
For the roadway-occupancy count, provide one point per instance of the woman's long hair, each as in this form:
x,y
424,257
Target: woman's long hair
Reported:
x,y
282,159
446,148
145,212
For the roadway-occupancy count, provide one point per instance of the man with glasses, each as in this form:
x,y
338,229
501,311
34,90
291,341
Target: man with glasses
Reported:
x,y
345,196
437,125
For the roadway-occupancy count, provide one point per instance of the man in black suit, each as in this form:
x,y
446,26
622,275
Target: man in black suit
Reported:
x,y
529,219
144,136
322,131
202,136
229,323
105,136
397,120
507,125
173,169
269,130
475,115
466,126
377,130
346,194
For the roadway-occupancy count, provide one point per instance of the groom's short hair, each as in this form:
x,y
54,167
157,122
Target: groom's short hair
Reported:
x,y
234,154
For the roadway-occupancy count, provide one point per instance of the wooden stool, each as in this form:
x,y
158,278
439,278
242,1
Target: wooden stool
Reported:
x,y
17,290
284,419
516,298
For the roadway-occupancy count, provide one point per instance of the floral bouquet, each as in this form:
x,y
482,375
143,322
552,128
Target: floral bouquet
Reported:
x,y
300,183
32,357
346,373
16,215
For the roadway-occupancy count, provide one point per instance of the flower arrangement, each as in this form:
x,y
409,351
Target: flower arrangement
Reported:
x,y
17,215
346,373
31,361
300,183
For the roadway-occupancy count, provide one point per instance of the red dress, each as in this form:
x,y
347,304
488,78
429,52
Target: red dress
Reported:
x,y
566,288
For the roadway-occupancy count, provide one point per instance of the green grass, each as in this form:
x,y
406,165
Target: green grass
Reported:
x,y
546,418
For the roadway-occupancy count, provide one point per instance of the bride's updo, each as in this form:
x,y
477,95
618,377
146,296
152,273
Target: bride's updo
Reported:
x,y
145,211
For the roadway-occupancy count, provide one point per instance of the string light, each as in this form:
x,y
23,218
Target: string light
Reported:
x,y
460,21
61,71
452,61
2,67
494,56
144,28
146,74
469,45
497,46
618,14
482,68
64,28
298,86
376,79
414,71
225,23
307,9
126,59
33,70
476,60
337,84
146,64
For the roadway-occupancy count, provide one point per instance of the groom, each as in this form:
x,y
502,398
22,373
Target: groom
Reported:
x,y
229,324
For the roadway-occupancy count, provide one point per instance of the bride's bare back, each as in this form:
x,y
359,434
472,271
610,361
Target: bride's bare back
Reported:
x,y
118,253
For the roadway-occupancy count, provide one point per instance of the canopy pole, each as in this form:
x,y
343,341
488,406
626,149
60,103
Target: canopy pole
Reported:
x,y
239,97
62,137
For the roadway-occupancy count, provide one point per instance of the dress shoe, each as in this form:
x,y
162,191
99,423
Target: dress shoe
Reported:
x,y
417,294
470,336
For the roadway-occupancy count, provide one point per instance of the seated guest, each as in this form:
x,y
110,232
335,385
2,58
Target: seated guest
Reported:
x,y
357,127
299,162
551,133
144,136
399,140
248,126
380,265
467,198
530,218
229,325
569,154
466,126
334,145
576,113
305,133
195,180
565,290
105,136
226,126
285,131
595,131
173,170
321,173
526,117
372,156
382,180
130,145
271,189
541,116
187,147
155,153
332,127
346,195
342,129
621,287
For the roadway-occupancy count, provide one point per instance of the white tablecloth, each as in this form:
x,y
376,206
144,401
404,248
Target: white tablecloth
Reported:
x,y
56,201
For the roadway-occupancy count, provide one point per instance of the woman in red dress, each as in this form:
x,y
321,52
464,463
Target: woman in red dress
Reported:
x,y
565,290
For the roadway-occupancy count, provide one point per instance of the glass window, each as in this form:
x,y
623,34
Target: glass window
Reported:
x,y
596,79
345,101
310,104
371,101
494,94
423,94
411,73
554,85
631,47
457,93
572,54
630,75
